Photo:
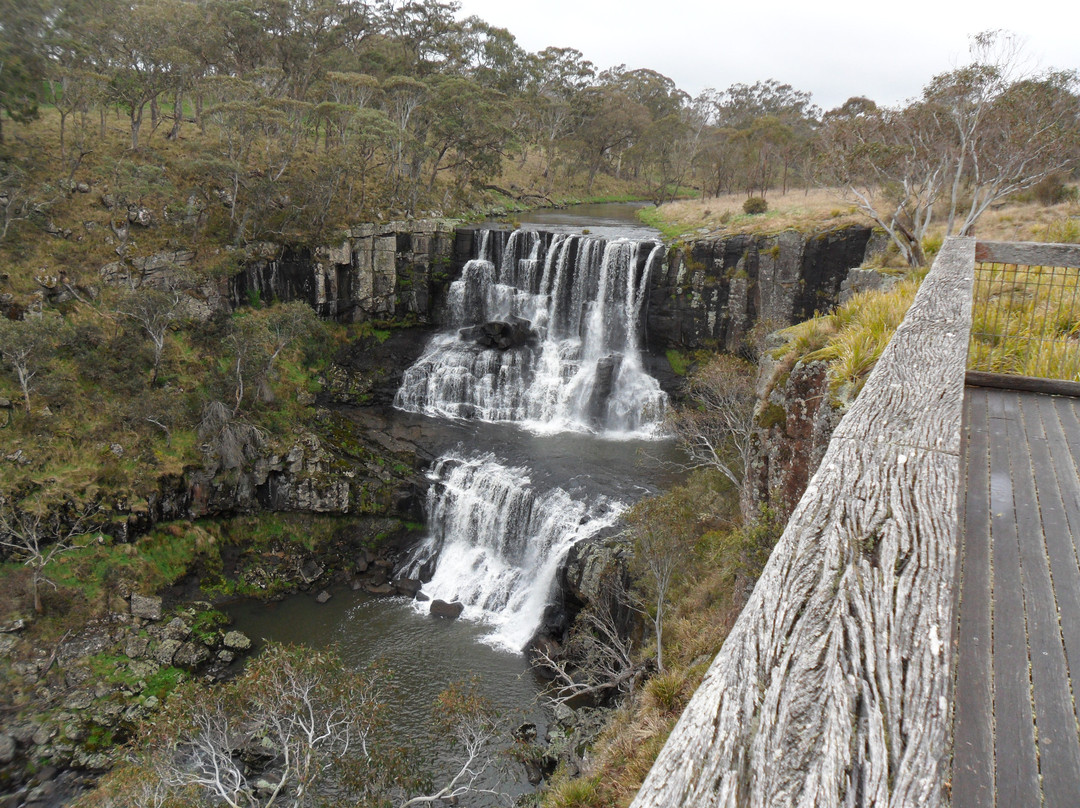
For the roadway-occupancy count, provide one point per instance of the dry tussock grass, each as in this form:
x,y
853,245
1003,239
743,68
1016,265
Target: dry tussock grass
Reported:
x,y
822,208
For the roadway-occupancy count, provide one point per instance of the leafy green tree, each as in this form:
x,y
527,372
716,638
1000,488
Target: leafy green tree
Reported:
x,y
141,58
662,529
610,123
556,76
426,37
26,347
24,30
469,127
37,537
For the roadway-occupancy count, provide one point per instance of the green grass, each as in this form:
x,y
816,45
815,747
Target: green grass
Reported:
x,y
668,230
850,338
1026,321
679,362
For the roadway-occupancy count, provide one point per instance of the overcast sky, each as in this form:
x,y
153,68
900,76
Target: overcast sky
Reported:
x,y
835,50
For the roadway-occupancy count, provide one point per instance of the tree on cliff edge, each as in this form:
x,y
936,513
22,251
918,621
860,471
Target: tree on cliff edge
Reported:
x,y
978,134
37,538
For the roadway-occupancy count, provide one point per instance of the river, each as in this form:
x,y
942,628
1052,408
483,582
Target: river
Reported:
x,y
539,445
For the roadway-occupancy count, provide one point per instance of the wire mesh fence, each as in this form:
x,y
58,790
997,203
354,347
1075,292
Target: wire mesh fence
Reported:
x,y
1026,321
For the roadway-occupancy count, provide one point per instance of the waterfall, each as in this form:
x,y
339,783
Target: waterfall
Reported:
x,y
545,337
495,541
545,331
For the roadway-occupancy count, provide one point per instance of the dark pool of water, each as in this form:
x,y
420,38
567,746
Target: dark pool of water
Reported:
x,y
611,220
425,654
625,468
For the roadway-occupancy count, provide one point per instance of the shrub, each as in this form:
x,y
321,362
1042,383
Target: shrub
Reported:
x,y
755,205
1052,191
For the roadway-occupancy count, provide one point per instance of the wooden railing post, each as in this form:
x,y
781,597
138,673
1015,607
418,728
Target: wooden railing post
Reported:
x,y
833,688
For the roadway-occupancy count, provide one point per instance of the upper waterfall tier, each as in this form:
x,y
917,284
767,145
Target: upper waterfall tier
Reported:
x,y
544,332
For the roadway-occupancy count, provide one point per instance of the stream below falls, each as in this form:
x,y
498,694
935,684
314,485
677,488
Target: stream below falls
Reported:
x,y
545,426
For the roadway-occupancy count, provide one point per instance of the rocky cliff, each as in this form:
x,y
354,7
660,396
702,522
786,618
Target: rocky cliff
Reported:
x,y
794,421
711,293
347,464
377,272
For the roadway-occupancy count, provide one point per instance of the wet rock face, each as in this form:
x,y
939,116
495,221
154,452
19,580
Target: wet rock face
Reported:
x,y
594,574
514,332
377,272
794,423
712,293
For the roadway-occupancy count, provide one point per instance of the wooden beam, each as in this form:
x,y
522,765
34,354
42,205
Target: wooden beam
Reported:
x,y
834,686
1028,384
1028,253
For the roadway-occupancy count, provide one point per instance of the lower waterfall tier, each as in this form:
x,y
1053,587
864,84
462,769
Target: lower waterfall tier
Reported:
x,y
496,540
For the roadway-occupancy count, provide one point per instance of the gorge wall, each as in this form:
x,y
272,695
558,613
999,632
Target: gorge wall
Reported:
x,y
711,293
794,421
382,272
707,293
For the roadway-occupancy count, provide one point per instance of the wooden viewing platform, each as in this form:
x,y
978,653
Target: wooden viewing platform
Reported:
x,y
1016,740
909,642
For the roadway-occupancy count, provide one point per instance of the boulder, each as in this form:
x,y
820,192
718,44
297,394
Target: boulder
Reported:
x,y
135,647
147,608
420,596
379,589
322,597
451,611
191,655
7,748
409,587
311,571
606,371
140,216
514,332
237,641
166,651
177,629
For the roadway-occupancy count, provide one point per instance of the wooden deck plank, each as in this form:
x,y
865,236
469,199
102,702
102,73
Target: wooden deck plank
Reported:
x,y
1054,466
1069,422
973,741
1058,744
1015,763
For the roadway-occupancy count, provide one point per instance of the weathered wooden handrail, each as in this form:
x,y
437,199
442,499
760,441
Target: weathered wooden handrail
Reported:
x,y
1028,253
833,688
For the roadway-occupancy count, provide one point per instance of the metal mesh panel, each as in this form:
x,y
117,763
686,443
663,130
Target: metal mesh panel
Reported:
x,y
1026,321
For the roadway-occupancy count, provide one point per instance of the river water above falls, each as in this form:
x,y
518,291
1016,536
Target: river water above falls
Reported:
x,y
545,427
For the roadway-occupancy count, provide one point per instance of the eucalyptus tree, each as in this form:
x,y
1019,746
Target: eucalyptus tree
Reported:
x,y
24,31
760,129
141,57
470,127
27,346
555,77
976,135
425,36
37,536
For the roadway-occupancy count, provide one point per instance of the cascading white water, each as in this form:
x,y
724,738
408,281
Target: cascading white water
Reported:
x,y
497,541
572,358
548,336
